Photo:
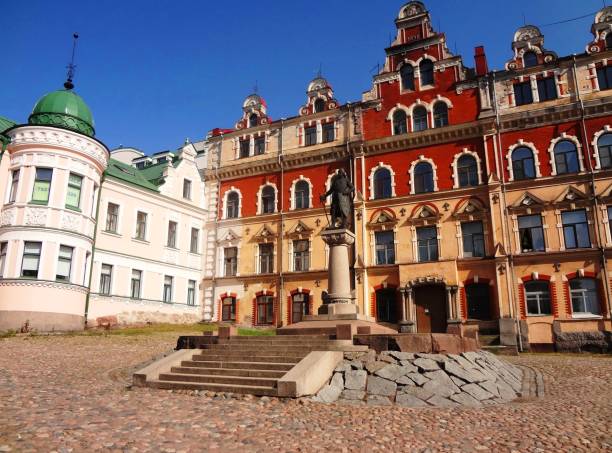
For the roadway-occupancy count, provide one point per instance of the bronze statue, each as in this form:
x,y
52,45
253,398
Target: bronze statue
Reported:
x,y
341,189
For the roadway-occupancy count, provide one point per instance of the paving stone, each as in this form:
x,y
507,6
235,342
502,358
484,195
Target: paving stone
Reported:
x,y
408,400
337,380
377,400
506,392
417,378
402,355
405,380
465,399
442,378
477,392
355,379
408,367
391,372
420,392
379,386
356,364
426,364
373,367
343,366
440,401
441,358
328,394
460,372
490,387
353,394
438,388
387,358
458,382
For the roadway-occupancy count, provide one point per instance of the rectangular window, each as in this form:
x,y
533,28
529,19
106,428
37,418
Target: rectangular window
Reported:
x,y
473,239
167,296
136,284
172,234
260,145
329,132
73,195
106,273
42,185
537,296
245,148
112,217
585,297
230,256
141,225
31,259
385,247
604,77
310,135
186,189
94,208
191,287
265,310
195,239
3,249
228,309
522,93
64,263
547,89
575,229
531,233
301,255
427,242
87,270
266,258
14,184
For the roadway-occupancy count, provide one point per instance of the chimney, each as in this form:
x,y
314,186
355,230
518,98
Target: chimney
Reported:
x,y
481,61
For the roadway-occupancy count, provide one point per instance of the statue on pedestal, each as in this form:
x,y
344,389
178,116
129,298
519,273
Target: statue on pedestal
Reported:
x,y
342,191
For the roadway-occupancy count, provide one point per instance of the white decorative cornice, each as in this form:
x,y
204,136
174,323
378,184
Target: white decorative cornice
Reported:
x,y
44,284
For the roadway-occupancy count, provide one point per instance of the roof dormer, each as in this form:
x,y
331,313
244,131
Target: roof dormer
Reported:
x,y
601,28
254,112
529,51
320,97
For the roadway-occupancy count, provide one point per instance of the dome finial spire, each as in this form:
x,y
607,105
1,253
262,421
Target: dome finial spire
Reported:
x,y
71,66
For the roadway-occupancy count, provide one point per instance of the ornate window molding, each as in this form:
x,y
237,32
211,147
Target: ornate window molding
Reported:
x,y
224,207
371,178
397,107
292,191
561,138
465,152
422,158
523,144
259,200
606,130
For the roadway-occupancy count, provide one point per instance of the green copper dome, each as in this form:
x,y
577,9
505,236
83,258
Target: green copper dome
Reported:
x,y
63,108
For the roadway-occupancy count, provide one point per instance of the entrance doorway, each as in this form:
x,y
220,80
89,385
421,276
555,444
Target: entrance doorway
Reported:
x,y
430,302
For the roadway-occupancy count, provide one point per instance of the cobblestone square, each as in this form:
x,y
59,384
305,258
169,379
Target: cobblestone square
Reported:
x,y
71,393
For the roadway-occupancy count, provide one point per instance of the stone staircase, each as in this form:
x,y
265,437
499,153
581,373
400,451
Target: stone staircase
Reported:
x,y
250,365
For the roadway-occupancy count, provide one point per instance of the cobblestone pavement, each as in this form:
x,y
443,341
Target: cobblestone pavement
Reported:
x,y
68,393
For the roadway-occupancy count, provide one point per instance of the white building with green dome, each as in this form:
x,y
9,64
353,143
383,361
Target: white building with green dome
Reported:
x,y
87,239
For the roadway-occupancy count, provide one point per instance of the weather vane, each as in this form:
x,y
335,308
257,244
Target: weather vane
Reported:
x,y
320,72
71,66
256,88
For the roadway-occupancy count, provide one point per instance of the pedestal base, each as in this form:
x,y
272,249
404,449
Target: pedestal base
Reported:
x,y
407,327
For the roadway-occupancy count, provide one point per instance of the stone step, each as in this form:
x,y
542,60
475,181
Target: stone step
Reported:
x,y
229,371
238,365
272,358
309,331
271,338
216,379
488,340
276,349
244,389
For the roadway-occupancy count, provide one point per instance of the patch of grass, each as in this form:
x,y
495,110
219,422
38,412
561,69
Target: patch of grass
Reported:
x,y
155,328
8,334
245,331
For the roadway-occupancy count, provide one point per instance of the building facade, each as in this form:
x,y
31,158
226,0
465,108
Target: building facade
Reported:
x,y
482,197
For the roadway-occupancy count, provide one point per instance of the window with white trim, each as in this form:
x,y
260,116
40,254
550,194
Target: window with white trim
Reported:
x,y
31,259
301,195
523,163
172,230
64,263
382,183
419,119
232,205
42,185
537,297
191,289
400,122
426,70
106,273
584,294
473,239
575,229
141,225
112,217
168,283
3,250
135,284
440,112
407,76
604,148
566,157
467,171
195,240
14,185
266,258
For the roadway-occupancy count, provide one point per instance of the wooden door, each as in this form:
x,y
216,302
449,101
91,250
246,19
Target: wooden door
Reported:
x,y
430,304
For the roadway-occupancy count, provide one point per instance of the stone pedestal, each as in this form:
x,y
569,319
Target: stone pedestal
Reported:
x,y
340,298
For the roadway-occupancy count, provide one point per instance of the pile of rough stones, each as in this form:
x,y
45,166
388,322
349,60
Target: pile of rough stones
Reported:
x,y
422,380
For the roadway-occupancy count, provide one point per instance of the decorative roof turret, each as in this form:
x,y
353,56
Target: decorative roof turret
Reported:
x,y
320,97
601,29
254,110
528,47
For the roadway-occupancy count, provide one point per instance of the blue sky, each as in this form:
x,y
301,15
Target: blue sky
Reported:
x,y
156,72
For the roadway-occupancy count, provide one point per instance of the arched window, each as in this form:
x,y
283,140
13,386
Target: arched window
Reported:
x,y
467,171
523,165
382,183
530,59
228,309
537,295
319,105
299,306
400,125
419,119
566,157
426,68
253,120
231,210
478,301
604,147
407,76
423,178
268,200
301,194
585,299
440,114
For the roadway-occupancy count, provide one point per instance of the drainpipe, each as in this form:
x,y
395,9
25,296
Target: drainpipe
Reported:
x,y
93,251
511,275
281,252
587,158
